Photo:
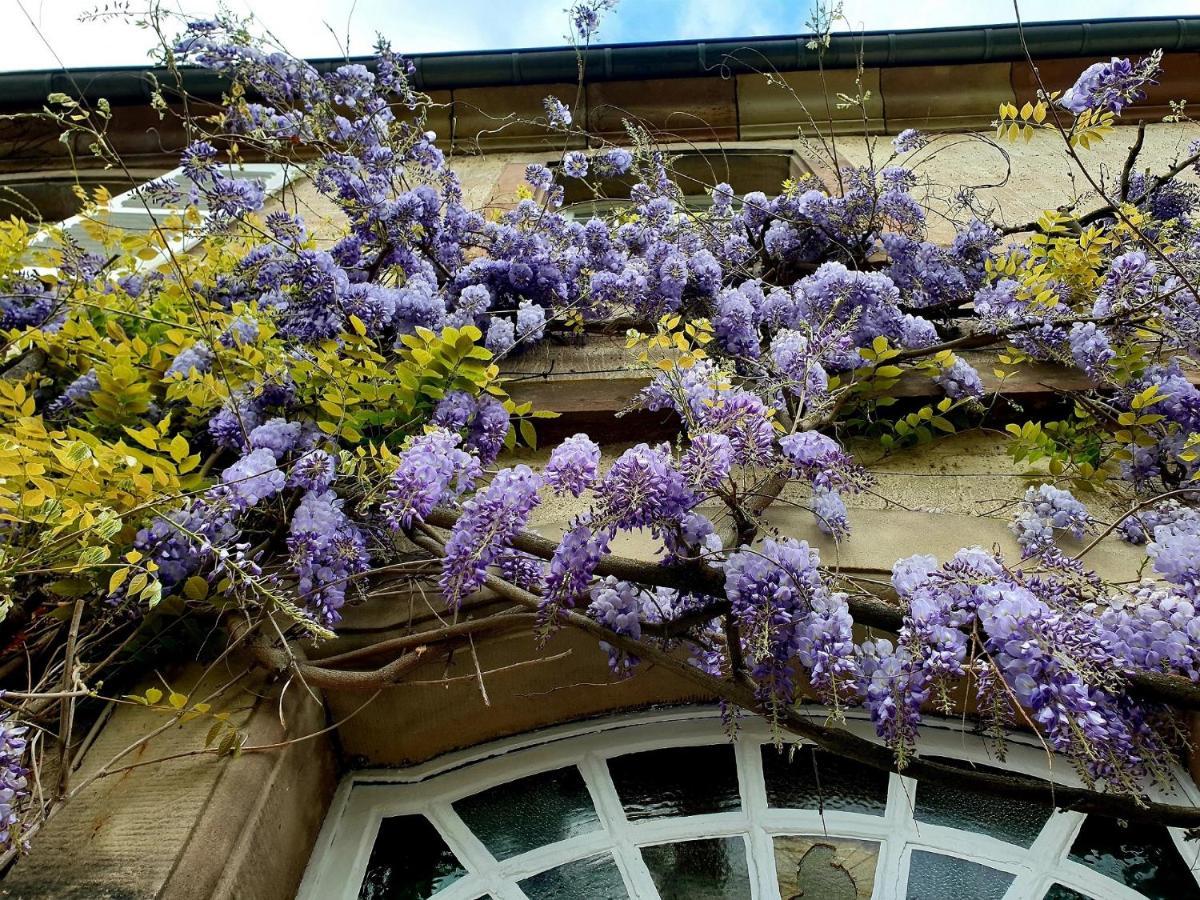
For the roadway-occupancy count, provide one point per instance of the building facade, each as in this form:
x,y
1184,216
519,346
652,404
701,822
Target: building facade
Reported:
x,y
523,769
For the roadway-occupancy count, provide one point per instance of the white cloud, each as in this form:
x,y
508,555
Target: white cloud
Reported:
x,y
880,15
422,26
721,18
413,26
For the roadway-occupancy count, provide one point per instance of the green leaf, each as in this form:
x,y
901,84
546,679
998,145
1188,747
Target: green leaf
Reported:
x,y
195,588
92,556
528,435
70,587
137,582
213,733
152,593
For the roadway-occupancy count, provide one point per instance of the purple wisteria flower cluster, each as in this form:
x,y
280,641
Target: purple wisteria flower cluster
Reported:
x,y
14,779
1111,86
1041,512
784,322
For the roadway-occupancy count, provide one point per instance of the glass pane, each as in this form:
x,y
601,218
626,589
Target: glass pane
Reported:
x,y
597,878
681,781
807,778
1062,892
409,861
1015,821
828,868
1140,856
932,876
530,812
712,869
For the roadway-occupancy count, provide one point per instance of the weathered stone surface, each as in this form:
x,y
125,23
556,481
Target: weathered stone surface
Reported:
x,y
193,827
505,117
944,98
697,109
779,105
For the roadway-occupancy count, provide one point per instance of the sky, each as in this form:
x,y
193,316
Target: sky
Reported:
x,y
43,34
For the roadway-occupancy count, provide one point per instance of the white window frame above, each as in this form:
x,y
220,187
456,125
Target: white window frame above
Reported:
x,y
131,208
365,798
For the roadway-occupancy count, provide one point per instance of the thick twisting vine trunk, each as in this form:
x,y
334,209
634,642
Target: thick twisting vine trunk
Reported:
x,y
742,694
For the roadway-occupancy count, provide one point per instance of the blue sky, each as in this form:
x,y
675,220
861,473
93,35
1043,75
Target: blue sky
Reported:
x,y
320,27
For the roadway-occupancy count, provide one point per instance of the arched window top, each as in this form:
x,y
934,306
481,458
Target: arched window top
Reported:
x,y
667,806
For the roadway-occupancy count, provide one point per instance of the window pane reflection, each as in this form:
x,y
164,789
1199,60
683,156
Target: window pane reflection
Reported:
x,y
833,868
932,876
681,781
409,861
712,869
597,878
529,812
807,778
1140,856
1062,892
1015,821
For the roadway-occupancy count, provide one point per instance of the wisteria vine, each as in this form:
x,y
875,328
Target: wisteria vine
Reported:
x,y
301,413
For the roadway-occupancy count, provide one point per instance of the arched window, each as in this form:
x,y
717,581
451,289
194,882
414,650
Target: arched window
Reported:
x,y
667,806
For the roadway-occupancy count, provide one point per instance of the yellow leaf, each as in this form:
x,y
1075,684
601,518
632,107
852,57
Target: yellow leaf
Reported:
x,y
117,579
153,695
178,448
177,700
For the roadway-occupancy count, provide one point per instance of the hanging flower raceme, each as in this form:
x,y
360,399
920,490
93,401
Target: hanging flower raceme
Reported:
x,y
432,470
486,527
786,614
819,459
643,488
1042,511
14,779
573,465
1111,86
327,550
618,605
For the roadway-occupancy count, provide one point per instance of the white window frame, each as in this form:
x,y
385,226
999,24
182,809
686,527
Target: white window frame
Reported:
x,y
140,215
365,798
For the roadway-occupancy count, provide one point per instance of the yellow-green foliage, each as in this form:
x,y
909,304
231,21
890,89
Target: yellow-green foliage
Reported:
x,y
72,496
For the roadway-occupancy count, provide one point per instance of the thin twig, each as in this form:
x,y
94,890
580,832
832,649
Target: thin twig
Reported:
x,y
67,716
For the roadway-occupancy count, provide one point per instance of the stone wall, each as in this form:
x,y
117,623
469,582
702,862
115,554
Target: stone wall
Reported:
x,y
196,826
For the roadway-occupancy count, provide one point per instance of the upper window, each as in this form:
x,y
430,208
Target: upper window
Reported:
x,y
674,810
54,196
697,172
129,213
